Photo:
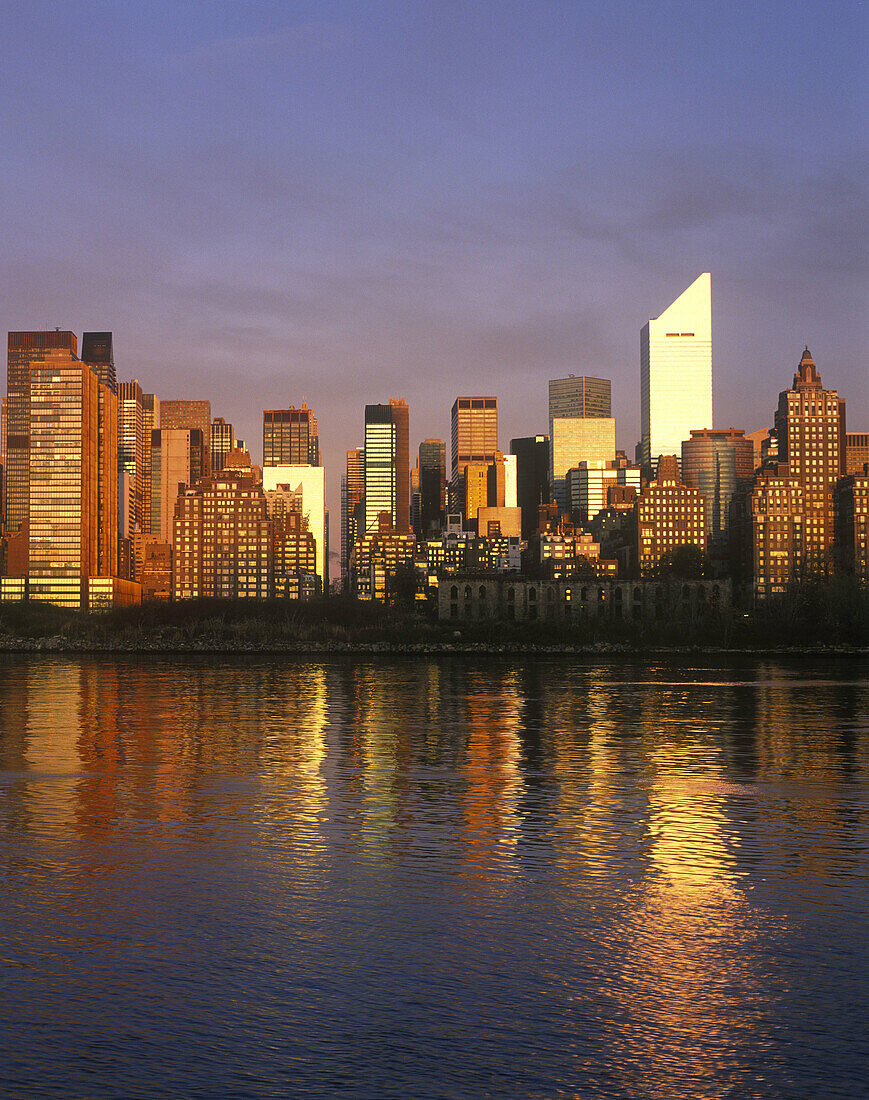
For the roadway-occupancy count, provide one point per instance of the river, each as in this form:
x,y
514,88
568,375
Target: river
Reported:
x,y
476,877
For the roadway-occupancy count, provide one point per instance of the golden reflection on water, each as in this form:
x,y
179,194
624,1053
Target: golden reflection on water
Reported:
x,y
655,800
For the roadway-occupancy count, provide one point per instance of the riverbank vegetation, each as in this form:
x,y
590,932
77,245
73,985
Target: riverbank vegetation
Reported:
x,y
824,613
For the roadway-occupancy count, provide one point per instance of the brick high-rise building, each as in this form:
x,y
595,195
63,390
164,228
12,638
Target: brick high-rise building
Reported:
x,y
221,538
777,532
669,514
23,348
856,452
810,424
291,437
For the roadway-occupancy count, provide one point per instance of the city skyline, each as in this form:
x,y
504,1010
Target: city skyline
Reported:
x,y
277,202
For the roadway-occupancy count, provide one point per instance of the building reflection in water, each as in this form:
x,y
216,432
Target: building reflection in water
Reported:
x,y
650,819
491,772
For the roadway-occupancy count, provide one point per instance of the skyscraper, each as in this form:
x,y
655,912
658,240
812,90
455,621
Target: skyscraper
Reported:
x,y
715,461
473,432
97,352
222,442
579,396
308,484
188,415
132,445
176,463
532,478
387,465
22,349
576,440
291,437
669,514
151,420
676,372
432,486
810,424
72,479
352,495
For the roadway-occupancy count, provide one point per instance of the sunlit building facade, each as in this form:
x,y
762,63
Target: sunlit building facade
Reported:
x,y
190,416
291,437
221,538
176,464
669,515
222,442
308,484
473,432
810,425
23,348
72,480
579,395
778,548
573,441
676,372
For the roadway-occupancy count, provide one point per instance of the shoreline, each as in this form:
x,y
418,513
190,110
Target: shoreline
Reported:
x,y
60,645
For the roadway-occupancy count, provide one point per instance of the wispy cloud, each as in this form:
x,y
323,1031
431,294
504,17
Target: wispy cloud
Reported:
x,y
305,37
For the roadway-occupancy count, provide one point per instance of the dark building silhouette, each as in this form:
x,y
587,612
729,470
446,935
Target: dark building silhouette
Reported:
x,y
532,478
97,352
432,486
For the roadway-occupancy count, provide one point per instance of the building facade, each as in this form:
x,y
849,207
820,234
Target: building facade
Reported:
x,y
810,426
221,539
291,437
222,442
98,352
574,441
176,464
852,523
72,477
577,396
432,487
669,515
532,479
473,432
856,452
23,348
716,461
676,372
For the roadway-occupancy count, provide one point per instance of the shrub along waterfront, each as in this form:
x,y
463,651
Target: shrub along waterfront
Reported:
x,y
822,613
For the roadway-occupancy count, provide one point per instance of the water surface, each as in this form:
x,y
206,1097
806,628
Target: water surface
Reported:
x,y
435,878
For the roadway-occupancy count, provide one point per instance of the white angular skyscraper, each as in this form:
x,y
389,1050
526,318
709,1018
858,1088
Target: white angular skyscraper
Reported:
x,y
676,372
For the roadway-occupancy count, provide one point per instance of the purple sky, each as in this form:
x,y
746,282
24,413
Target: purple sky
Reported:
x,y
346,202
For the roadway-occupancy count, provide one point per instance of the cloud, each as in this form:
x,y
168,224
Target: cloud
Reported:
x,y
300,37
